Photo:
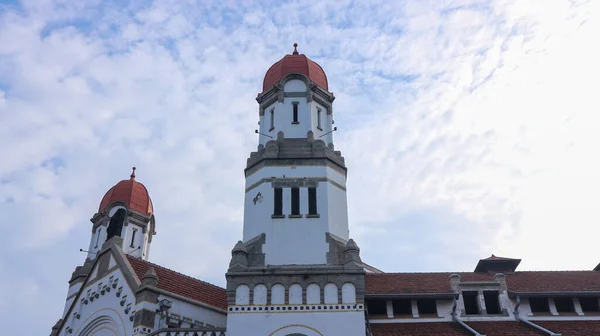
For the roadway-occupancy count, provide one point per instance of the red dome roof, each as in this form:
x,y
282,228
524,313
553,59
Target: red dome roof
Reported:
x,y
130,192
295,63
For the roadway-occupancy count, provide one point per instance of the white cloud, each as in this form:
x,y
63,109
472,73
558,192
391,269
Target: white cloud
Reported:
x,y
468,128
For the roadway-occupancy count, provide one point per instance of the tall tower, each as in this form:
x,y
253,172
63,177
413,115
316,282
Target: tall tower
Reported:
x,y
295,271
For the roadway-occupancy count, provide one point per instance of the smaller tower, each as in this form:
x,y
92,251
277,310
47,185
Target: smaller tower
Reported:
x,y
125,211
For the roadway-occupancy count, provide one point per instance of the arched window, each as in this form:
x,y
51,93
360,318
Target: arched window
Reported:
x,y
313,294
260,295
242,295
295,294
277,294
116,224
348,293
331,293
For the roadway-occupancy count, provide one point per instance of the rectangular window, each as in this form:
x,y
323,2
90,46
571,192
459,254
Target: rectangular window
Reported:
x,y
402,307
470,300
295,201
98,237
492,302
272,113
564,305
589,304
132,237
539,305
427,307
312,201
377,307
319,119
278,203
295,112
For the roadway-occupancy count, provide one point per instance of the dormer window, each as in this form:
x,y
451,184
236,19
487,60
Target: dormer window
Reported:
x,y
564,305
295,113
427,307
492,302
589,304
470,300
539,305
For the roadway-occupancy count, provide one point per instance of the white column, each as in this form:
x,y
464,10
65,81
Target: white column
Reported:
x,y
415,308
390,308
577,306
552,306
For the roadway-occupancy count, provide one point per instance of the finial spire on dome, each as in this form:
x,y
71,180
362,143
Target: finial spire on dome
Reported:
x,y
132,176
295,50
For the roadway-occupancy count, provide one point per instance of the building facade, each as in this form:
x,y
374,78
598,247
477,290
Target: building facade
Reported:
x,y
296,271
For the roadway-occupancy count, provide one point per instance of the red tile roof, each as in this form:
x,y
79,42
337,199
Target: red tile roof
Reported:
x,y
295,64
520,282
415,283
177,283
572,328
554,281
504,328
418,329
130,192
500,264
494,258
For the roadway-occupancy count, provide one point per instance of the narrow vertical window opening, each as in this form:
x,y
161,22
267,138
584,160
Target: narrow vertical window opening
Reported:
x,y
492,302
295,113
272,124
470,300
115,226
319,119
312,201
132,237
98,237
296,201
278,202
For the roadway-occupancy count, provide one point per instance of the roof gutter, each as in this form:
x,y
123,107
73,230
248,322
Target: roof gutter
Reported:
x,y
461,323
413,296
553,294
529,323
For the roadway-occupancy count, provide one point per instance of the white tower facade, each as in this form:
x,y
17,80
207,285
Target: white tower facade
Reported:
x,y
296,272
295,182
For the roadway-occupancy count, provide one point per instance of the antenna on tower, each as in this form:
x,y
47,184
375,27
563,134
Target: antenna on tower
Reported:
x,y
324,134
257,132
82,250
139,247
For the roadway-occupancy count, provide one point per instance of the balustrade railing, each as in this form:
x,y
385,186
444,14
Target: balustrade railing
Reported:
x,y
189,332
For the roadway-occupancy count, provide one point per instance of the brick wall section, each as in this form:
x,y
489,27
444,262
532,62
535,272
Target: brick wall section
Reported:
x,y
418,329
492,328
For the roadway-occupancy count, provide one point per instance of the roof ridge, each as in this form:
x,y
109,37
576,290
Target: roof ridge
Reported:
x,y
470,272
168,269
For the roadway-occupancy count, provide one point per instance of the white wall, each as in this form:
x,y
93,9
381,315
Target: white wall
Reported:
x,y
107,304
287,237
333,323
307,117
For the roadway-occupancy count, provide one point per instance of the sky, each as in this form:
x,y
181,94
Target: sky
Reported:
x,y
468,127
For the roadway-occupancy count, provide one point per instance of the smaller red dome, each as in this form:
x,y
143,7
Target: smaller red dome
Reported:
x,y
132,193
295,63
